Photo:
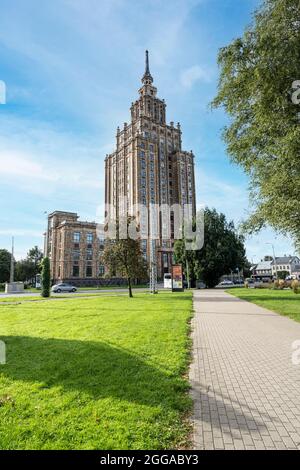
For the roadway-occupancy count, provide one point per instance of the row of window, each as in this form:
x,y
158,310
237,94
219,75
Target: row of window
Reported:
x,y
88,270
77,237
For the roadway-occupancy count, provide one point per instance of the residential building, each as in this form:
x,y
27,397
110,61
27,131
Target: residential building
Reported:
x,y
149,167
74,248
263,270
268,267
290,264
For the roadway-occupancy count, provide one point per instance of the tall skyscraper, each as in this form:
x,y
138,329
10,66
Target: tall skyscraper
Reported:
x,y
149,167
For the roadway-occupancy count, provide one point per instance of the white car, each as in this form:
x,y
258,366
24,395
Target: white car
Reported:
x,y
63,287
225,284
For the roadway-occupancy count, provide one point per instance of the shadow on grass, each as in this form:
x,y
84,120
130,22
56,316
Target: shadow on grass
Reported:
x,y
95,368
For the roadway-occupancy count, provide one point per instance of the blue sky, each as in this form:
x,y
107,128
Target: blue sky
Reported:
x,y
72,69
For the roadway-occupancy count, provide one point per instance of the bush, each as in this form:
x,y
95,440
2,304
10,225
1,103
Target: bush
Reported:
x,y
276,284
295,286
281,283
45,278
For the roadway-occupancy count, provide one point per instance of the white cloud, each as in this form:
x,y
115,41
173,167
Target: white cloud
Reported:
x,y
17,164
21,232
32,154
194,74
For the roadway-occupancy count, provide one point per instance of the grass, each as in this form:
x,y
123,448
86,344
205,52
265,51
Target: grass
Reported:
x,y
95,373
20,299
285,302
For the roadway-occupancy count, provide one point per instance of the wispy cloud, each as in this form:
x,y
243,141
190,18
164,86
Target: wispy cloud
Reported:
x,y
194,74
11,231
37,154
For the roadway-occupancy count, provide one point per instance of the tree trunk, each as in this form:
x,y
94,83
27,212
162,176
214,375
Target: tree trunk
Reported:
x,y
129,287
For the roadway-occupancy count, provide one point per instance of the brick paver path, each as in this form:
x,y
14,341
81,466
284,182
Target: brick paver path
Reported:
x,y
245,387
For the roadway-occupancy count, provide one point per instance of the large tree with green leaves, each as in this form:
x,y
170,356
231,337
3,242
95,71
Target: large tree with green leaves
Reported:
x,y
223,250
123,256
257,71
5,259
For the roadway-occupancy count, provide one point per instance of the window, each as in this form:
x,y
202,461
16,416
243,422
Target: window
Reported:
x,y
89,238
75,270
101,270
76,255
89,254
101,243
76,237
89,271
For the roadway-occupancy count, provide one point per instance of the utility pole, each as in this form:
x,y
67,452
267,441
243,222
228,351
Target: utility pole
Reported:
x,y
153,268
274,257
46,235
153,260
11,278
188,273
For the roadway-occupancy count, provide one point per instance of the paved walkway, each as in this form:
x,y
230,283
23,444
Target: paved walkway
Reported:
x,y
245,387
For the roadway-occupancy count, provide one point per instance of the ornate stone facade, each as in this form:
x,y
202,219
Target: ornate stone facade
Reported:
x,y
150,167
74,248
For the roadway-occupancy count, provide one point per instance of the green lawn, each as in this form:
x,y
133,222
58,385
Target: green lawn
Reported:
x,y
21,299
285,302
95,373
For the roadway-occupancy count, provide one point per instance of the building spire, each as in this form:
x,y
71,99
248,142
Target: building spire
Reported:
x,y
147,77
147,71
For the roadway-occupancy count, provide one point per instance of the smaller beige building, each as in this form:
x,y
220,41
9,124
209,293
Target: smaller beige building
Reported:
x,y
74,248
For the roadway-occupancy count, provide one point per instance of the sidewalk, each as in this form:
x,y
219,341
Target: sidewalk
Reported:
x,y
245,387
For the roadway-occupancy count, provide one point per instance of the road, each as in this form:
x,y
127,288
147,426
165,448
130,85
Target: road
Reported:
x,y
80,292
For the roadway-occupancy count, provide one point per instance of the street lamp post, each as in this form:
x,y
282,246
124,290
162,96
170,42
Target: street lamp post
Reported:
x,y
274,257
11,277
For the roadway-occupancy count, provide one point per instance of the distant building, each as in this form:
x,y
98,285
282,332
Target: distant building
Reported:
x,y
290,264
74,248
263,269
268,267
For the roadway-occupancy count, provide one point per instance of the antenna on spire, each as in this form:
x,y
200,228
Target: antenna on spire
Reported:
x,y
147,70
147,78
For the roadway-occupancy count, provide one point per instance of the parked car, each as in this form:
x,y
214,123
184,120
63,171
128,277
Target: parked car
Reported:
x,y
63,287
200,285
225,283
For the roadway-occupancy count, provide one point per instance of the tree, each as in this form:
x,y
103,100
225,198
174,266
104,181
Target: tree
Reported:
x,y
255,88
282,274
35,255
24,270
5,258
223,250
124,256
45,277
